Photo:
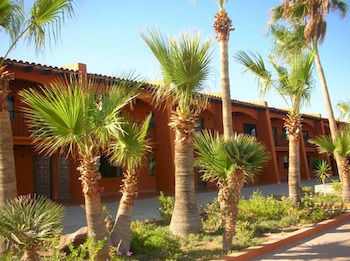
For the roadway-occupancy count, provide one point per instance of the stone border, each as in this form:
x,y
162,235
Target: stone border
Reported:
x,y
270,245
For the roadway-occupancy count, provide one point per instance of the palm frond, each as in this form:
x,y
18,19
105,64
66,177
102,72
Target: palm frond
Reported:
x,y
46,18
341,6
221,4
130,145
255,64
276,14
324,144
344,108
184,63
11,17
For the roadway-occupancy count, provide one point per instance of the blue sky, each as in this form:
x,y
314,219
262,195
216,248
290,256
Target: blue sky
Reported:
x,y
106,36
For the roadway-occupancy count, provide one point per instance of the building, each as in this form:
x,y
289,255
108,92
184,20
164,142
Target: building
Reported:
x,y
57,177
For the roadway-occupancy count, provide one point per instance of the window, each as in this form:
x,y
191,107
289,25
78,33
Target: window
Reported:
x,y
275,137
250,129
11,105
152,166
151,123
306,135
284,133
285,162
199,124
107,170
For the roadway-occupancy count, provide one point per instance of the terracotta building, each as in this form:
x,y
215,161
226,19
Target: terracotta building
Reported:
x,y
57,177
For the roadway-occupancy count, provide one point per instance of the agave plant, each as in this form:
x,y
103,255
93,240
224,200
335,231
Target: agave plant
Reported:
x,y
229,163
323,171
29,224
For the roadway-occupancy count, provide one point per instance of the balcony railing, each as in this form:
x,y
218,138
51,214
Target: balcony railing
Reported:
x,y
19,127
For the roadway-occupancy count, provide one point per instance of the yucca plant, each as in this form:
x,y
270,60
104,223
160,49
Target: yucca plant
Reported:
x,y
79,120
322,171
185,67
30,224
128,149
293,83
341,146
229,163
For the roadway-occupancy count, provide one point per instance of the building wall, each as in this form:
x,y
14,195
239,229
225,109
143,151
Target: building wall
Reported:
x,y
162,142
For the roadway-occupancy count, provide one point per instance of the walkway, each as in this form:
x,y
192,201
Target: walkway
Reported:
x,y
148,208
330,245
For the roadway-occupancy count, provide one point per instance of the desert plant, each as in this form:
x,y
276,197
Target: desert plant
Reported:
x,y
29,224
294,84
128,149
185,67
79,120
229,163
323,171
166,206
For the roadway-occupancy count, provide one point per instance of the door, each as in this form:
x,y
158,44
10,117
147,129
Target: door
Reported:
x,y
63,179
43,176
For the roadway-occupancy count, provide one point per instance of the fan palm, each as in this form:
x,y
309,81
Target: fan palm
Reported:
x,y
79,120
30,224
294,85
43,20
229,163
184,64
313,13
341,146
128,150
223,27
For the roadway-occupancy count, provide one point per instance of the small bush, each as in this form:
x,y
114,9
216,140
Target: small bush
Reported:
x,y
244,236
166,206
211,216
337,187
153,241
306,190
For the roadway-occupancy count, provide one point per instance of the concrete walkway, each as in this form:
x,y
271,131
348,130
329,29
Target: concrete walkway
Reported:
x,y
148,208
332,244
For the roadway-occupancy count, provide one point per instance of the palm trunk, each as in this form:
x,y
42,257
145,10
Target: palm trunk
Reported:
x,y
229,198
93,206
344,172
225,86
294,170
185,218
31,255
332,123
8,187
121,234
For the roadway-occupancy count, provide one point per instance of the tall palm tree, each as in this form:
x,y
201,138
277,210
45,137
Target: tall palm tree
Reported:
x,y
294,85
43,21
79,120
230,163
128,150
223,27
341,146
313,13
184,64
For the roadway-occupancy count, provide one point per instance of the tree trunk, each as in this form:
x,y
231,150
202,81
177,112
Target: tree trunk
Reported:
x,y
93,206
332,123
225,90
121,234
229,198
8,186
31,255
344,172
294,170
185,218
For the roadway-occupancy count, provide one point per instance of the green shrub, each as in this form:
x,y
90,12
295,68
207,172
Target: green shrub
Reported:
x,y
337,187
244,236
153,241
211,217
306,190
30,224
166,206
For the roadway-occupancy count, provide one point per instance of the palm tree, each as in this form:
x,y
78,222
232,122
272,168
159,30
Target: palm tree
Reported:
x,y
230,163
344,108
79,120
341,146
294,85
30,224
128,150
223,27
184,64
313,13
44,19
